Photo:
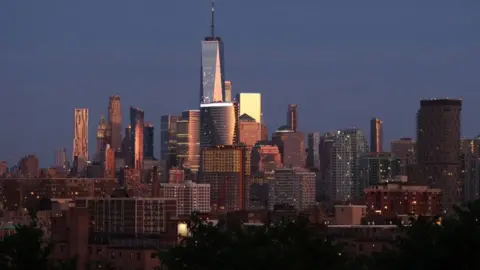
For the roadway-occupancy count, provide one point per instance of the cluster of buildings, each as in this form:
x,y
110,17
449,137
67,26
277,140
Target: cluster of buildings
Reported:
x,y
122,203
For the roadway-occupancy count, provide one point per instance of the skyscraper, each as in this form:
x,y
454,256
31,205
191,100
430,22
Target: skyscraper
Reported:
x,y
212,85
376,135
219,124
80,137
438,147
228,91
168,139
101,139
115,123
60,158
292,116
349,145
313,155
148,136
292,147
249,131
251,104
137,124
188,140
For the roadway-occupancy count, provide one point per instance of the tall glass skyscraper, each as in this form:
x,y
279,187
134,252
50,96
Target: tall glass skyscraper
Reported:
x,y
148,136
136,130
212,73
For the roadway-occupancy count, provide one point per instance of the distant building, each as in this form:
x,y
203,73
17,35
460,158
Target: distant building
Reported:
x,y
376,168
344,183
102,140
404,149
115,123
265,157
376,135
168,140
80,137
148,138
292,117
313,152
60,158
226,169
291,145
403,199
136,131
191,197
228,91
250,132
294,187
438,148
218,124
29,166
188,140
251,104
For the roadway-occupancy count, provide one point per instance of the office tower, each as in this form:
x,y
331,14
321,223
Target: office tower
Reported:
x,y
378,168
109,166
265,157
376,135
136,131
191,197
250,131
226,169
148,135
251,104
188,140
3,168
228,91
80,138
101,140
313,154
212,85
292,117
438,147
291,145
348,146
115,123
60,157
264,136
168,138
219,124
404,149
293,187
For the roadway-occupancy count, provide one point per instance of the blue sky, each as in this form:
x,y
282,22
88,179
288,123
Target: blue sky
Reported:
x,y
342,61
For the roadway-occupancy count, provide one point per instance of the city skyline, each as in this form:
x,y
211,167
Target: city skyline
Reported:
x,y
436,68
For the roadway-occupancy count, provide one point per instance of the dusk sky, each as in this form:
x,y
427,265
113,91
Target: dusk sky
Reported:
x,y
343,62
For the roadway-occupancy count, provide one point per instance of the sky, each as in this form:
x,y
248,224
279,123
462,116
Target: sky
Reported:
x,y
343,62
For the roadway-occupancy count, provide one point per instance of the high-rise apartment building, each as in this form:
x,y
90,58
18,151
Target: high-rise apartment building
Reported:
x,y
313,154
378,168
293,187
250,131
168,139
251,104
109,165
228,91
348,146
226,169
265,157
212,85
404,149
80,137
188,140
292,147
136,131
438,147
115,123
219,124
127,150
148,137
376,135
28,166
292,117
191,197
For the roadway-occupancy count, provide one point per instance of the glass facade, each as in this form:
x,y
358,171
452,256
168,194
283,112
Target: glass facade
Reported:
x,y
148,136
219,125
212,71
188,140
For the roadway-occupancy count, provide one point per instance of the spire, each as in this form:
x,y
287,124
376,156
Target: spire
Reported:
x,y
212,25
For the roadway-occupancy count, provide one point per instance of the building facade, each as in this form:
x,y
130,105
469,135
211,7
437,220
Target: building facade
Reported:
x,y
219,124
292,117
191,197
293,187
136,131
148,138
251,104
376,135
80,137
115,123
313,154
188,140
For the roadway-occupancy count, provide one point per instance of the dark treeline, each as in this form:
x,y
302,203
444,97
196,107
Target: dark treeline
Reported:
x,y
453,243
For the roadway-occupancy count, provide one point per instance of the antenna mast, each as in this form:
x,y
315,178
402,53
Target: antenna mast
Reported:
x,y
212,26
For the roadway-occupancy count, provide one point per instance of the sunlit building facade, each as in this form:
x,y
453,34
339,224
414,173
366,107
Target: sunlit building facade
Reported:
x,y
188,140
250,131
115,123
148,137
292,116
219,124
80,137
293,187
212,71
136,130
376,135
251,104
292,147
228,91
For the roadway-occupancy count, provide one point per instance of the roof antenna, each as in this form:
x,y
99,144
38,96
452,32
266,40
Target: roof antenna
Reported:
x,y
212,26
